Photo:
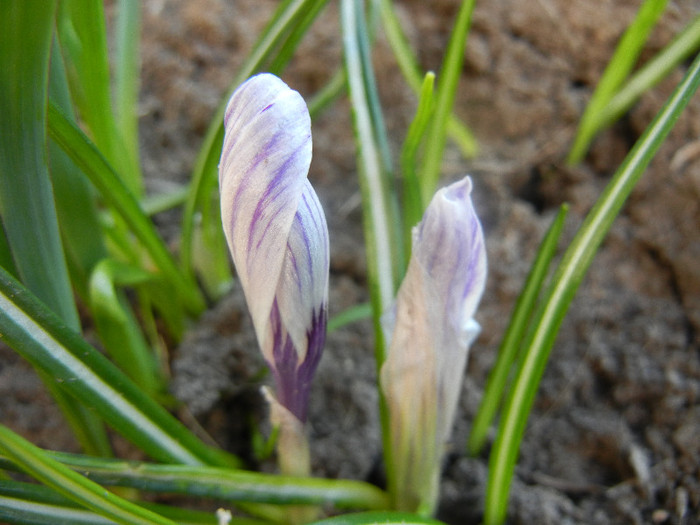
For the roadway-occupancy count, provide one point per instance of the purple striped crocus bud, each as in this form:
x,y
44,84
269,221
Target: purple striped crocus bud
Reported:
x,y
276,230
430,329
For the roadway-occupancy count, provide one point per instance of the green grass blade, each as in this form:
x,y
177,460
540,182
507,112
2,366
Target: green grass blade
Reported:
x,y
23,503
338,82
83,44
21,511
381,223
656,69
227,484
127,66
287,48
413,206
160,202
408,64
277,29
117,326
565,282
116,194
204,176
75,202
85,424
30,491
379,198
349,316
82,33
6,260
41,338
508,351
157,295
448,80
207,242
232,485
326,95
362,39
26,195
39,465
615,73
379,518
39,505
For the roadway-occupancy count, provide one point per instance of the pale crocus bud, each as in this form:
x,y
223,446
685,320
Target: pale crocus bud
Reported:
x,y
276,230
430,329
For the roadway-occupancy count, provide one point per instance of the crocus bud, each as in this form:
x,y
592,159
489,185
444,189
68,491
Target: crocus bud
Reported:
x,y
276,230
430,329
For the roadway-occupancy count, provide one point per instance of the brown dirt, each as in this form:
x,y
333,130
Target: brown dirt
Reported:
x,y
613,436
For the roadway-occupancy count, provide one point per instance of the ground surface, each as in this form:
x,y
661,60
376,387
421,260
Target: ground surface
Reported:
x,y
614,433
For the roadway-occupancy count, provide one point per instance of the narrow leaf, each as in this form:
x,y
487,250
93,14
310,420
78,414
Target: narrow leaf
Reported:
x,y
413,206
349,316
113,190
21,511
75,198
508,351
117,326
6,260
380,215
82,32
296,34
379,518
127,67
226,484
26,194
408,63
326,95
39,465
23,503
576,261
381,223
682,47
448,79
41,338
617,70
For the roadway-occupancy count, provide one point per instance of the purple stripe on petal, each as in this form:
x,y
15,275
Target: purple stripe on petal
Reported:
x,y
292,379
306,240
316,341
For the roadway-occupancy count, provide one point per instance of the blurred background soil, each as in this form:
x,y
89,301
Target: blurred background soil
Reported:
x,y
614,436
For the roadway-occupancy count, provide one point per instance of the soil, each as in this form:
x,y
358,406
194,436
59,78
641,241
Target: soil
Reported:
x,y
613,437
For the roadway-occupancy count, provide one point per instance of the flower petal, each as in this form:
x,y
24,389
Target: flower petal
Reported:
x,y
262,176
303,291
449,248
299,314
431,328
276,230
